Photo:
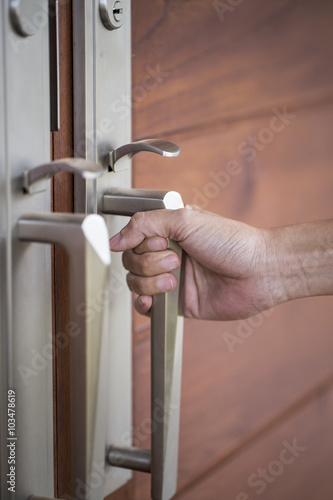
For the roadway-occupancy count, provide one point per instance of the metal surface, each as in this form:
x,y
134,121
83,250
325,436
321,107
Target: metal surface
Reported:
x,y
77,166
27,16
33,497
112,13
85,239
130,458
119,201
158,146
102,121
25,272
54,64
166,352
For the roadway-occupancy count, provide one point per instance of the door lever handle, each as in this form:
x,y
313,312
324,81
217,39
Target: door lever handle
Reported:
x,y
166,359
85,238
77,166
159,146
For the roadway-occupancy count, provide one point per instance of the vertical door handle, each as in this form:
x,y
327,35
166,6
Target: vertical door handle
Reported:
x,y
85,238
166,359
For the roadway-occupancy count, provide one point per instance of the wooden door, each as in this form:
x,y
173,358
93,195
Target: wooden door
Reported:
x,y
245,88
228,73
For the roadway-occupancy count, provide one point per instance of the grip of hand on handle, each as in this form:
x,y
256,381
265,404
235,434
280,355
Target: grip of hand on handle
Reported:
x,y
166,359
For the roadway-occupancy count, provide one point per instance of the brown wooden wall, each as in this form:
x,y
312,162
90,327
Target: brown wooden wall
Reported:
x,y
223,71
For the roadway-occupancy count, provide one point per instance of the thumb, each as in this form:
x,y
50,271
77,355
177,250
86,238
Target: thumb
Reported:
x,y
164,223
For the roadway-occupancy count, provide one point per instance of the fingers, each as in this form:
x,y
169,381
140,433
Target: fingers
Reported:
x,y
152,245
150,263
143,225
143,304
152,285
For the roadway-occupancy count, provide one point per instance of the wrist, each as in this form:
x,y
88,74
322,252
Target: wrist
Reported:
x,y
299,260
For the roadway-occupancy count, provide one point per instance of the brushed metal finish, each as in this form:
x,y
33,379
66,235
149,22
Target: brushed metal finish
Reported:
x,y
130,458
85,239
25,273
166,352
112,13
102,80
166,363
77,166
119,201
158,146
27,15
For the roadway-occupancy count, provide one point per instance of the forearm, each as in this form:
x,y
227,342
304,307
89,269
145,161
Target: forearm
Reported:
x,y
300,260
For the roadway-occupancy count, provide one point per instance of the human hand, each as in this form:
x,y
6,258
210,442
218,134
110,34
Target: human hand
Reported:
x,y
232,270
224,262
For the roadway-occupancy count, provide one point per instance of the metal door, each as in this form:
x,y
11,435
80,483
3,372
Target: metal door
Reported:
x,y
99,301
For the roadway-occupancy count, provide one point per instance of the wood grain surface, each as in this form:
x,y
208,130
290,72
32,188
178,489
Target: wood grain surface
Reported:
x,y
247,93
194,64
232,390
258,472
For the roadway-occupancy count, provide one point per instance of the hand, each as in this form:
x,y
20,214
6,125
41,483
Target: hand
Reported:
x,y
224,262
232,270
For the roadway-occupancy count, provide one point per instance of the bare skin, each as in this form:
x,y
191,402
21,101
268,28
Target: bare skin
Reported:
x,y
232,270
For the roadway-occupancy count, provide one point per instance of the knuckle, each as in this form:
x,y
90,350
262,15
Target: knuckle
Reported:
x,y
137,220
134,283
146,263
129,280
184,215
183,223
143,264
140,265
125,260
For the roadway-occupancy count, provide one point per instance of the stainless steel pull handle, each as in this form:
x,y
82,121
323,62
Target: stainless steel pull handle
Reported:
x,y
78,166
159,146
166,359
86,240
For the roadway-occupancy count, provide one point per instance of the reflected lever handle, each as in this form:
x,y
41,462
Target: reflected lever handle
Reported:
x,y
166,359
78,166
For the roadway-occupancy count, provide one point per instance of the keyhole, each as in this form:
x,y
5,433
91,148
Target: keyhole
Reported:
x,y
117,11
112,13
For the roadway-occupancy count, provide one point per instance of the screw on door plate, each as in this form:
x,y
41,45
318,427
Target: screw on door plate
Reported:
x,y
112,13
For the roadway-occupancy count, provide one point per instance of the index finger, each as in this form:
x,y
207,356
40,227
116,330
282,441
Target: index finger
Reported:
x,y
154,244
143,225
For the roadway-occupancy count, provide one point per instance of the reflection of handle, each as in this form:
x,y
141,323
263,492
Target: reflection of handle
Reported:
x,y
86,240
78,166
166,360
159,146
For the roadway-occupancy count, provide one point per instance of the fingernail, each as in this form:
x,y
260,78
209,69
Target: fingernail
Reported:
x,y
170,263
141,300
114,241
165,284
156,244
